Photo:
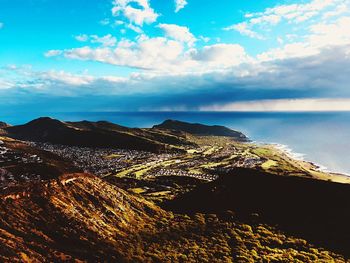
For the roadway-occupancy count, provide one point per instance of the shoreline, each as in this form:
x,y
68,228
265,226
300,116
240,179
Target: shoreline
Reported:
x,y
286,149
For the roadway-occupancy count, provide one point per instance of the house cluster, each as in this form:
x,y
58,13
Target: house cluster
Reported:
x,y
225,152
251,162
178,172
6,178
10,158
248,162
101,161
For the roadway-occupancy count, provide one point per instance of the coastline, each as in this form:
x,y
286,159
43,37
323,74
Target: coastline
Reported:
x,y
286,149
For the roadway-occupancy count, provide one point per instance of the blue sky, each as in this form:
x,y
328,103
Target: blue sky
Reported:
x,y
106,55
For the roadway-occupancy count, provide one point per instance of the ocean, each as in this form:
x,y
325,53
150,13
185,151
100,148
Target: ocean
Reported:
x,y
320,137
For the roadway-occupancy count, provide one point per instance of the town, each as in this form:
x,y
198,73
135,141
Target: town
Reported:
x,y
203,163
8,159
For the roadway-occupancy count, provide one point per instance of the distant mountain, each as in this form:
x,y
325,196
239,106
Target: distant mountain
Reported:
x,y
94,134
201,129
312,209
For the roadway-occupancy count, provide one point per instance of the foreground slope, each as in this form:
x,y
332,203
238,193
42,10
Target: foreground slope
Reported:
x,y
81,217
75,216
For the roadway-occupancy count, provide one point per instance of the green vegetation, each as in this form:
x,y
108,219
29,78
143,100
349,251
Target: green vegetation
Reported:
x,y
268,164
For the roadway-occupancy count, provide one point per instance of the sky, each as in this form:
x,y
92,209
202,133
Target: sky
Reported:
x,y
174,55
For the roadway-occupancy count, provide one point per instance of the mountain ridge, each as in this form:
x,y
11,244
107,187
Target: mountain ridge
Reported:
x,y
201,129
167,136
94,134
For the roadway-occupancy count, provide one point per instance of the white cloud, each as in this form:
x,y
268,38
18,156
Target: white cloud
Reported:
x,y
296,12
65,77
180,4
322,35
139,15
292,14
105,22
58,82
106,41
324,104
330,34
244,29
134,28
150,53
1,25
179,33
6,83
221,55
339,10
204,39
162,54
53,53
82,38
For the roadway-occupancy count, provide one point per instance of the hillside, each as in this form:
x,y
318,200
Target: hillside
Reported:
x,y
94,134
76,216
3,125
83,218
201,129
313,209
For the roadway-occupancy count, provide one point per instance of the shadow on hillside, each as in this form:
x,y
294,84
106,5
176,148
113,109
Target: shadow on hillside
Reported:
x,y
315,210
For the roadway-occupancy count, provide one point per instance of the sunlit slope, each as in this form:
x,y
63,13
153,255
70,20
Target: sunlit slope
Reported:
x,y
77,216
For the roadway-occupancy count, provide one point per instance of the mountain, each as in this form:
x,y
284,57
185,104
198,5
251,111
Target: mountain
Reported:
x,y
94,134
312,209
201,129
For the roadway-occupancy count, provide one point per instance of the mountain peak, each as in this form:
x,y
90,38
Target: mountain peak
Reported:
x,y
44,120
